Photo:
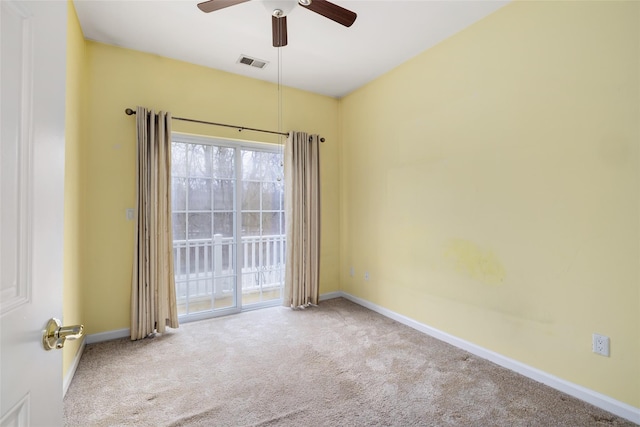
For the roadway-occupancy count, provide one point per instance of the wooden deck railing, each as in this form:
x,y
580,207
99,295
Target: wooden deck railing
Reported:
x,y
206,266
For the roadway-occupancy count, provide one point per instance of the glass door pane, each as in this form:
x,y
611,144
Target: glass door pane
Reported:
x,y
262,234
204,217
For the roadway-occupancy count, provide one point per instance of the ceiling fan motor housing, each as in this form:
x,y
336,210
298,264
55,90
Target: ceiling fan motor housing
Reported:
x,y
282,7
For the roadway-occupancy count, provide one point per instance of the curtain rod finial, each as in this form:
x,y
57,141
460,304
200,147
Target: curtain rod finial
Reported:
x,y
129,112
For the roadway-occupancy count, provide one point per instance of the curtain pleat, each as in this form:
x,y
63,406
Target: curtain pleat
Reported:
x,y
153,296
302,213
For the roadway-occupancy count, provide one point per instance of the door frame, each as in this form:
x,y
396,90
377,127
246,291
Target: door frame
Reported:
x,y
238,145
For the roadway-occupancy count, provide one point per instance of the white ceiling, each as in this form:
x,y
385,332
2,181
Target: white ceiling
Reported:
x,y
322,56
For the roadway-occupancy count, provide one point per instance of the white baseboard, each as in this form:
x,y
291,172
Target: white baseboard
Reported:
x,y
331,295
602,401
66,381
108,336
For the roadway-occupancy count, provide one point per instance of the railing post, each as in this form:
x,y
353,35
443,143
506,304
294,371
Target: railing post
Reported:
x,y
217,255
217,263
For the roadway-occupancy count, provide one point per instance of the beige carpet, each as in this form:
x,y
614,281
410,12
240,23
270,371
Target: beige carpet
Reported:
x,y
337,364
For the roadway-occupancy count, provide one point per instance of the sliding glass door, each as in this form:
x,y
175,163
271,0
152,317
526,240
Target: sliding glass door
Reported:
x,y
228,225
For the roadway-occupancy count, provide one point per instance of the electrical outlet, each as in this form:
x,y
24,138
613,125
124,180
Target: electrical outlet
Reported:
x,y
366,275
600,344
352,271
130,214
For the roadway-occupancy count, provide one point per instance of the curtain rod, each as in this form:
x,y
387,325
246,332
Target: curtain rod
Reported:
x,y
130,112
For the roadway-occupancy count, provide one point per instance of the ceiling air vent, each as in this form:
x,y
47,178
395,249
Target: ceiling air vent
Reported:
x,y
252,62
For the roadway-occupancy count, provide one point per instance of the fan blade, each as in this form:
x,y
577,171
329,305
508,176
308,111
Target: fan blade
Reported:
x,y
332,11
279,30
212,5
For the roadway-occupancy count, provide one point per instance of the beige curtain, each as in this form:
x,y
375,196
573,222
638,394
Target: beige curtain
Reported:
x,y
153,295
302,210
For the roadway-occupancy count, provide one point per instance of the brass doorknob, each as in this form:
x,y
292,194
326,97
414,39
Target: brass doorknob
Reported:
x,y
55,335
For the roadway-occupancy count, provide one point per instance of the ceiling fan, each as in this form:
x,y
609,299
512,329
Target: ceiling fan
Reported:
x,y
282,7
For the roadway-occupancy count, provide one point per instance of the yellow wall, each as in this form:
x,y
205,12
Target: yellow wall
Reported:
x,y
72,260
121,78
490,186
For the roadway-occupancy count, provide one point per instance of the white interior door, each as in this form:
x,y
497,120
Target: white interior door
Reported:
x,y
32,70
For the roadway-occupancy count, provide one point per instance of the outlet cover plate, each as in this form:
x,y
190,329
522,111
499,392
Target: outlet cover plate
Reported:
x,y
600,344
